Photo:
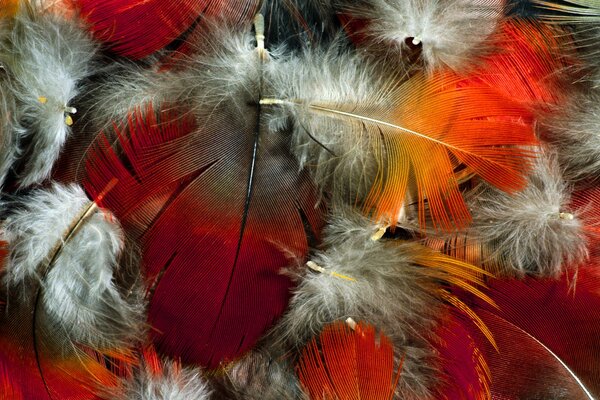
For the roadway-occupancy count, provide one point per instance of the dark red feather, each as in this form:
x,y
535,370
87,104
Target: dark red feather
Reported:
x,y
138,28
547,336
219,210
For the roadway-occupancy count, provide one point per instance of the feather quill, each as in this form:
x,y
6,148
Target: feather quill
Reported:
x,y
206,203
546,332
397,140
535,231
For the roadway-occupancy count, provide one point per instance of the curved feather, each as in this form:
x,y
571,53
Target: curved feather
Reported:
x,y
546,332
345,363
138,28
418,132
219,210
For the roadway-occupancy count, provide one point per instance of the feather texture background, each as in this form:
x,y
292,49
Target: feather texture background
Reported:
x,y
299,199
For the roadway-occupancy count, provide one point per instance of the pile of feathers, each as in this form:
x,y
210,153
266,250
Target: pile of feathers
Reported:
x,y
299,199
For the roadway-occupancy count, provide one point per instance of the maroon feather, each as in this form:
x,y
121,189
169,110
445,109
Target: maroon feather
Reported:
x,y
219,210
138,28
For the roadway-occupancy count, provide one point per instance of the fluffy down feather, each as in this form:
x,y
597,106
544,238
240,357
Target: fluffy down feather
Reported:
x,y
44,56
157,379
257,376
449,32
79,292
531,231
574,133
389,291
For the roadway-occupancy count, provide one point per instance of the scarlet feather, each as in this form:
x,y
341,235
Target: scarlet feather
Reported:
x,y
349,364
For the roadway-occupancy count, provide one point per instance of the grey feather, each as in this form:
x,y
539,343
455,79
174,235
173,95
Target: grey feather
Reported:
x,y
530,232
172,382
574,134
450,32
80,295
257,376
391,292
44,57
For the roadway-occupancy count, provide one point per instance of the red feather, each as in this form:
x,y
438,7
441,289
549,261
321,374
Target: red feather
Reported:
x,y
219,210
348,364
528,63
547,336
138,28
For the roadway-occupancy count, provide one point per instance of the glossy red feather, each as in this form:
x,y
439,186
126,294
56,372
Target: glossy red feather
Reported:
x,y
138,28
220,211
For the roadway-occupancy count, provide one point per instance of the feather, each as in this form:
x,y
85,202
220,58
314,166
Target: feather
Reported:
x,y
532,64
582,17
401,139
535,231
44,56
206,203
574,134
257,376
37,361
546,332
157,379
392,284
345,363
138,28
448,34
57,241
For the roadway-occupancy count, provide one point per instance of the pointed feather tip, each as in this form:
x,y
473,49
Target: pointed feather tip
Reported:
x,y
75,257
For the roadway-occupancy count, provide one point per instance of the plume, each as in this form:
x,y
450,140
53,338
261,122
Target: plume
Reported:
x,y
158,379
139,28
392,284
400,138
447,34
44,56
60,242
349,363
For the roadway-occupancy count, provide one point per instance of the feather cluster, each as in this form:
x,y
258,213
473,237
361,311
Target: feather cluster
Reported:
x,y
299,199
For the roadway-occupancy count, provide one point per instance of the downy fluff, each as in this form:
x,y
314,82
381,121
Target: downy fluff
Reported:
x,y
574,134
44,56
165,380
449,33
258,376
532,231
77,273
